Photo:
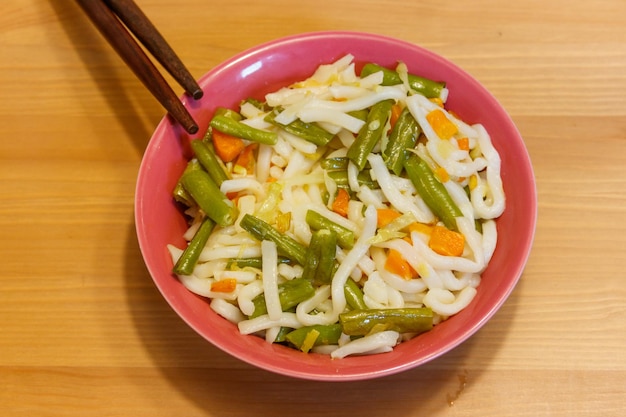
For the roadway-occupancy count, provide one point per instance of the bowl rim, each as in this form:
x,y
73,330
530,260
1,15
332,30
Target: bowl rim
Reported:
x,y
167,124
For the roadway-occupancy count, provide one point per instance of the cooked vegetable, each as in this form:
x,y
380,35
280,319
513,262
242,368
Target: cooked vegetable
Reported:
x,y
307,131
432,191
370,133
189,258
402,138
446,242
442,126
341,201
209,161
290,294
263,231
322,335
241,130
209,197
401,320
345,237
424,86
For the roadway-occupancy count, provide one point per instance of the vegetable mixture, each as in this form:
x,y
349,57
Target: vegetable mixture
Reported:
x,y
343,214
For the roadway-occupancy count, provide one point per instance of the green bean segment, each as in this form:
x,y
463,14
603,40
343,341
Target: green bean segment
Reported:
x,y
402,320
321,253
257,263
425,86
209,161
370,133
209,197
290,293
354,295
189,258
241,130
432,191
326,335
403,136
345,237
307,131
264,231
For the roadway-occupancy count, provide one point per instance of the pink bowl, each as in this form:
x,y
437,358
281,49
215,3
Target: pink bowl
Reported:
x,y
275,64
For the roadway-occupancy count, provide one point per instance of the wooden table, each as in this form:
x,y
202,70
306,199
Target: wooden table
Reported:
x,y
83,330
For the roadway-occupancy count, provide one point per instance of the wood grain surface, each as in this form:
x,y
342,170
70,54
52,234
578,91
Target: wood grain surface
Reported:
x,y
84,332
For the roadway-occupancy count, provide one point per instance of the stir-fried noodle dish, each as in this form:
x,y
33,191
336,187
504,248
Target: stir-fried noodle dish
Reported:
x,y
341,215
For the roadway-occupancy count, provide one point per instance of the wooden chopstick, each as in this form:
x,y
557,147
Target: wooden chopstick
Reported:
x,y
107,16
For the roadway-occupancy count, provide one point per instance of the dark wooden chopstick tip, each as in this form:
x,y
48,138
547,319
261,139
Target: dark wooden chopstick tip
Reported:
x,y
197,94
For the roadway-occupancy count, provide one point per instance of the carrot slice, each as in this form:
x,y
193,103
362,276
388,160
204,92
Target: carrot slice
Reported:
x,y
396,264
340,204
396,110
446,242
224,285
246,157
227,147
444,128
386,216
463,144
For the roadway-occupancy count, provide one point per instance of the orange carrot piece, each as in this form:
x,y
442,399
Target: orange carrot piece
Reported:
x,y
444,128
246,157
340,205
442,174
396,264
463,144
226,146
386,216
396,110
224,285
446,242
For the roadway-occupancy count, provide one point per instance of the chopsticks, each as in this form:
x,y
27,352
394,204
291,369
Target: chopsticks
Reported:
x,y
112,18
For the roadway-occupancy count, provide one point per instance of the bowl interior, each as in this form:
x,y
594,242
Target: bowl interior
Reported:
x,y
276,64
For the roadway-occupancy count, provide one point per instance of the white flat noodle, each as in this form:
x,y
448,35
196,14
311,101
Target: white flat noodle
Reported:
x,y
445,303
403,203
227,310
247,294
324,115
263,322
373,343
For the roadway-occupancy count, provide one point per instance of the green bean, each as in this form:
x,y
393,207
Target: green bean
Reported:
x,y
241,130
354,295
189,258
424,86
290,294
307,131
231,114
209,161
321,255
282,334
432,191
370,133
180,193
316,221
402,320
341,178
403,136
359,114
337,163
327,335
251,262
264,231
209,197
